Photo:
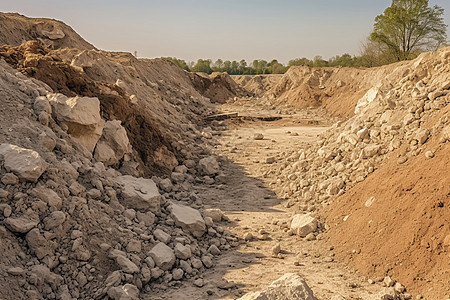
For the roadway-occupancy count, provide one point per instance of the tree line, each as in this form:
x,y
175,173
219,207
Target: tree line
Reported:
x,y
402,32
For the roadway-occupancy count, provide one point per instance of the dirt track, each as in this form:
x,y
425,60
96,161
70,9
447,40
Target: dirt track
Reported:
x,y
249,200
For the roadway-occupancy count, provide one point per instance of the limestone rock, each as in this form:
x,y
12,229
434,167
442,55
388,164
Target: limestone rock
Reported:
x,y
189,219
82,117
288,287
163,256
303,224
113,144
25,163
139,193
208,166
20,224
214,213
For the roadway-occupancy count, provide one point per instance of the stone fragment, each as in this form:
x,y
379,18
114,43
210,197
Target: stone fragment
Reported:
x,y
41,274
207,261
25,163
387,281
20,224
113,144
166,185
163,256
258,136
134,246
288,287
182,252
17,271
39,244
48,196
214,213
10,179
208,166
422,136
139,193
214,250
126,265
124,292
162,236
429,154
188,219
302,225
276,249
177,274
55,219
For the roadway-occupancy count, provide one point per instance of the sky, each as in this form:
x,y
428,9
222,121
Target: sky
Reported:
x,y
226,29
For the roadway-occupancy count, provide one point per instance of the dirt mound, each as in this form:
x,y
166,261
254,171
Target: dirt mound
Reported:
x,y
401,229
257,84
16,29
219,87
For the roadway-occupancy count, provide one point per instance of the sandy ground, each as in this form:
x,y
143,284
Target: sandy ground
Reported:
x,y
250,202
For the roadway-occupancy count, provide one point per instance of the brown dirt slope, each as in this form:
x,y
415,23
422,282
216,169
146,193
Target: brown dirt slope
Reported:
x,y
257,84
16,29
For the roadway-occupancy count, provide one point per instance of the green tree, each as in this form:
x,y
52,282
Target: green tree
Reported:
x,y
202,65
218,66
410,25
179,62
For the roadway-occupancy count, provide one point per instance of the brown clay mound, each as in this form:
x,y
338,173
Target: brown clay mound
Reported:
x,y
257,84
16,29
404,233
35,60
219,87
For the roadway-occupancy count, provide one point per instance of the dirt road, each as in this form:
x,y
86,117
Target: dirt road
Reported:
x,y
248,198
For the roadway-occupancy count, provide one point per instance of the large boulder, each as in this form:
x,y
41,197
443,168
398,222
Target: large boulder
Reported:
x,y
288,287
27,164
113,144
139,193
163,256
82,117
303,225
208,166
188,219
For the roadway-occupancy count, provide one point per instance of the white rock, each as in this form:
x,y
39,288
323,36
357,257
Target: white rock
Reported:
x,y
113,144
208,166
82,117
288,287
303,225
188,219
25,163
214,213
139,193
163,256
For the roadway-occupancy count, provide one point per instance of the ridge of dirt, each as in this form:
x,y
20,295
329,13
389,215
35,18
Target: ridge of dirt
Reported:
x,y
258,85
15,29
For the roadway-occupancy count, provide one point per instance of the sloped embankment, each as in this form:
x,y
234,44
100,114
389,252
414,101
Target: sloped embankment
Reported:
x,y
257,85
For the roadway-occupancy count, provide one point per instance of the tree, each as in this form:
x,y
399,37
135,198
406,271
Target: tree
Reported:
x,y
202,65
408,26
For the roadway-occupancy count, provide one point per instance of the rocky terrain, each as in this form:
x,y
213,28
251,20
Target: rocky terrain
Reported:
x,y
116,182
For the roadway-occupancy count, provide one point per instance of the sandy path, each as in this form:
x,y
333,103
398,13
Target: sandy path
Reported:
x,y
245,197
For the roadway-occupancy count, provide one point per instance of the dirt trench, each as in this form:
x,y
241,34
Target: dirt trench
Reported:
x,y
248,198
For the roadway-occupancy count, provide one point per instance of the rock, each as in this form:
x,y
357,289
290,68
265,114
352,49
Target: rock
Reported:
x,y
40,274
208,166
258,136
20,224
199,282
370,151
113,144
270,160
214,250
82,117
3,194
207,261
126,265
17,271
156,272
369,201
422,136
76,188
399,288
182,252
288,287
196,263
48,196
124,292
429,154
55,219
166,185
302,225
387,281
134,246
162,236
139,193
41,104
248,236
445,135
214,213
10,179
188,219
39,244
177,274
163,256
25,163
147,218
276,249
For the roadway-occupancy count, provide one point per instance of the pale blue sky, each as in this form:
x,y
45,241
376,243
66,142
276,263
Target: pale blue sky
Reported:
x,y
227,29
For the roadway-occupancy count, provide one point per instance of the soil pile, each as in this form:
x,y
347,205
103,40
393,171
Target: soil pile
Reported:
x,y
398,142
258,85
218,87
16,29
